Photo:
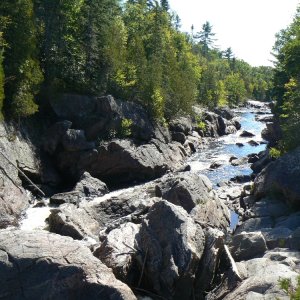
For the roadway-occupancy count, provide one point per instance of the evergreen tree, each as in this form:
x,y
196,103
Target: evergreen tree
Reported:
x,y
21,64
206,38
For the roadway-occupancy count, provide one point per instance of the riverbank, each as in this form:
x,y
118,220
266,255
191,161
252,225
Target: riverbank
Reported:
x,y
168,238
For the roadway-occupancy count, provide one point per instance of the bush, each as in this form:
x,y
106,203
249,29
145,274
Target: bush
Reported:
x,y
275,153
125,130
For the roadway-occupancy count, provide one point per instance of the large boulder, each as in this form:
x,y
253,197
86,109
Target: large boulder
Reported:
x,y
87,187
281,177
117,251
172,245
247,245
181,124
42,265
261,277
120,161
185,189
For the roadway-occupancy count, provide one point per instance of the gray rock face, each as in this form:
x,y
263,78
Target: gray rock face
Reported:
x,y
32,268
246,133
214,247
117,249
69,220
182,124
122,161
261,276
75,140
54,135
225,112
98,115
86,188
247,245
186,190
281,176
172,245
13,198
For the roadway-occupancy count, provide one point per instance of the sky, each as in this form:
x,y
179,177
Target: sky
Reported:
x,y
247,26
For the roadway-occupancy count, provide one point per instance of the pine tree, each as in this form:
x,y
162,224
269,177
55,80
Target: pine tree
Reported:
x,y
21,65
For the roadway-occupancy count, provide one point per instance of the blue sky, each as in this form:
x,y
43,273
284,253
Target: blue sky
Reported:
x,y
247,26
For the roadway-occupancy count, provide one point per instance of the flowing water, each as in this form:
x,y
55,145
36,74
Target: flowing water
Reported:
x,y
223,148
219,150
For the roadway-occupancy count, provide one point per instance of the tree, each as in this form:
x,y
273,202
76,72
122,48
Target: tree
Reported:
x,y
205,38
21,64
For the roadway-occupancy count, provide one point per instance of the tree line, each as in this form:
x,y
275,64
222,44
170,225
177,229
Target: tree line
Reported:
x,y
287,84
133,50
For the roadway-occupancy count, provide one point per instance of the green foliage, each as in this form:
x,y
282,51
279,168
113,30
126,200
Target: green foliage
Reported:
x,y
292,292
287,84
125,130
275,153
21,63
133,50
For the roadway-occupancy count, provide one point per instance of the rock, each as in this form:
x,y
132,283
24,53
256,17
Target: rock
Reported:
x,y
32,267
253,143
86,188
224,112
213,213
54,135
240,144
116,250
262,162
13,197
261,278
247,245
240,161
266,119
255,224
272,133
295,240
281,177
186,190
232,158
103,214
89,186
291,221
237,124
268,207
182,125
215,165
241,178
253,158
277,237
179,137
67,197
246,133
121,161
69,220
74,140
174,245
230,129
214,248
99,115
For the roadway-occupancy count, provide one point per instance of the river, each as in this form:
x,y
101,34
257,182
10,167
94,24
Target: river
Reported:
x,y
218,150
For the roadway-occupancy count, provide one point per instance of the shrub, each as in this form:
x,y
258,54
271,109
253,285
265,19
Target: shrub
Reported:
x,y
125,130
275,153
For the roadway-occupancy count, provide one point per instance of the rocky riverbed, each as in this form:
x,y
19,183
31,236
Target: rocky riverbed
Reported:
x,y
185,212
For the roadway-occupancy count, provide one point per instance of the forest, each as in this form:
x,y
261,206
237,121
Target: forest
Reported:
x,y
135,51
